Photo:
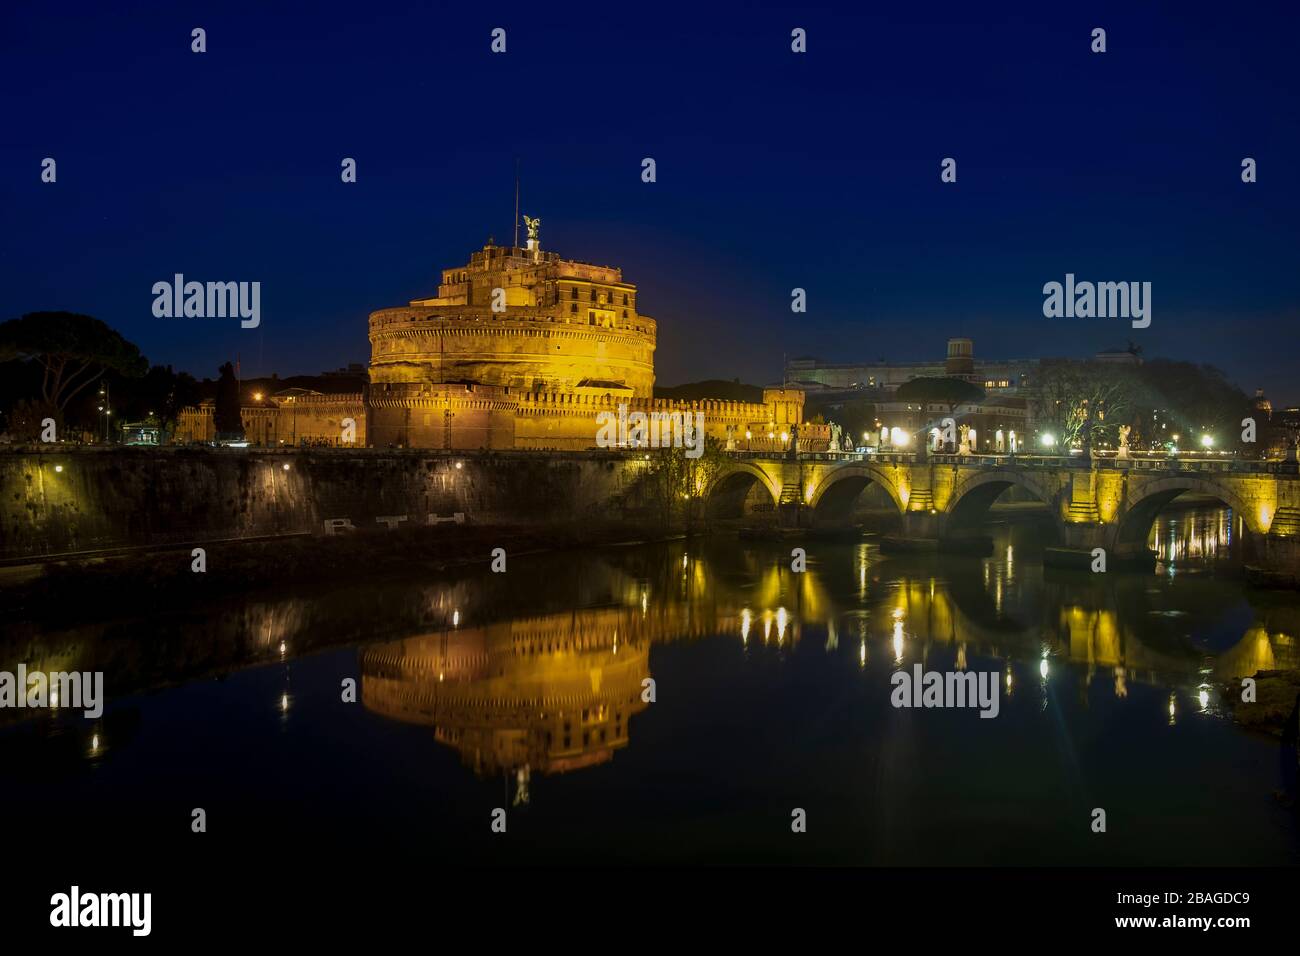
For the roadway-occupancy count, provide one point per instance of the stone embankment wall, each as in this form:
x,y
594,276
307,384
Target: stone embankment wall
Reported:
x,y
58,499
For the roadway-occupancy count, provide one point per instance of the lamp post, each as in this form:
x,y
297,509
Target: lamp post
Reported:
x,y
105,410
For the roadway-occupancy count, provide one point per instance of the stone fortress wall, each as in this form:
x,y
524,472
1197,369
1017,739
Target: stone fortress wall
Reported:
x,y
284,419
519,349
523,349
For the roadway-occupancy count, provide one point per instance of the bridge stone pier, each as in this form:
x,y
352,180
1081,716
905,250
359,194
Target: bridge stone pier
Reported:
x,y
1103,502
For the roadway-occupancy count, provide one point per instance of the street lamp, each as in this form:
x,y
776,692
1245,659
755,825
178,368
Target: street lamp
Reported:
x,y
1207,441
1049,440
104,398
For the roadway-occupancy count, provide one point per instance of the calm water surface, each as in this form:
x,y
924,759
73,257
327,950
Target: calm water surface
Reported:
x,y
524,691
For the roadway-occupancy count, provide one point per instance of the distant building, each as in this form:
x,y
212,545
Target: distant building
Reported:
x,y
995,376
1276,432
141,433
1009,408
353,370
289,418
1004,376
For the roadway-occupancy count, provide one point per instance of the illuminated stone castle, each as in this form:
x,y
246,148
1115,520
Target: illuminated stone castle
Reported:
x,y
521,348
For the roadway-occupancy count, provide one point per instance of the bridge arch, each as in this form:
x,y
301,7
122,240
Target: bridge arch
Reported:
x,y
1135,524
725,496
833,497
972,497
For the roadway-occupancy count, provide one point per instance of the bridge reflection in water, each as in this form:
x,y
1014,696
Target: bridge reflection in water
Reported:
x,y
1196,535
773,691
547,693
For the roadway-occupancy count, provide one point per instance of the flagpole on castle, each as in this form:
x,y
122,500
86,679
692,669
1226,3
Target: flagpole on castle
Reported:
x,y
516,245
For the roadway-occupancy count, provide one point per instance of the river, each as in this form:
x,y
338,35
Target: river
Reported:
x,y
527,692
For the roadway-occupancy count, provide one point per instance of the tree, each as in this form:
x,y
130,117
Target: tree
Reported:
x,y
940,391
678,483
161,393
1194,399
949,392
71,350
855,416
1186,398
226,417
1071,394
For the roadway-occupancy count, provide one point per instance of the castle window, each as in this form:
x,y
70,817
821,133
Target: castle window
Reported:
x,y
591,318
625,310
573,308
593,295
574,290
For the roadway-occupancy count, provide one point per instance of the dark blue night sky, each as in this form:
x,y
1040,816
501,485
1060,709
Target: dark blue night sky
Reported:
x,y
775,170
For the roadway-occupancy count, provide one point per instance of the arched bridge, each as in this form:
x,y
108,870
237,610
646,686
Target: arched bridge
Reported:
x,y
1100,502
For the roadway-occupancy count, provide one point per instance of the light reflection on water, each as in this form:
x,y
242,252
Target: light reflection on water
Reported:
x,y
1193,536
545,675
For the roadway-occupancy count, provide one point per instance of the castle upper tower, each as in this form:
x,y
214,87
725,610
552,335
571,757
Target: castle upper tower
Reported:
x,y
514,319
521,318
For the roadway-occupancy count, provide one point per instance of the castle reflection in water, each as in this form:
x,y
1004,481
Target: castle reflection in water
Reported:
x,y
545,669
557,692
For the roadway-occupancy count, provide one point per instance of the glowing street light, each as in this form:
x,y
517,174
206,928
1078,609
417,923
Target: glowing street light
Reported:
x,y
1207,441
1049,440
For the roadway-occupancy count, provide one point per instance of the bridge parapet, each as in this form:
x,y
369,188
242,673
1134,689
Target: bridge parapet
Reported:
x,y
1103,501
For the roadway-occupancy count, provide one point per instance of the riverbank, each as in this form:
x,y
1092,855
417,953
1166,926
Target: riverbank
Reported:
x,y
1277,693
86,589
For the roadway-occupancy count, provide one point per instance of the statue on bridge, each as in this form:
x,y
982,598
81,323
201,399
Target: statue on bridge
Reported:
x,y
1124,431
965,448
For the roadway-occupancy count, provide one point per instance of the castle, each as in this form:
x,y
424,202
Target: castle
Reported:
x,y
520,348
